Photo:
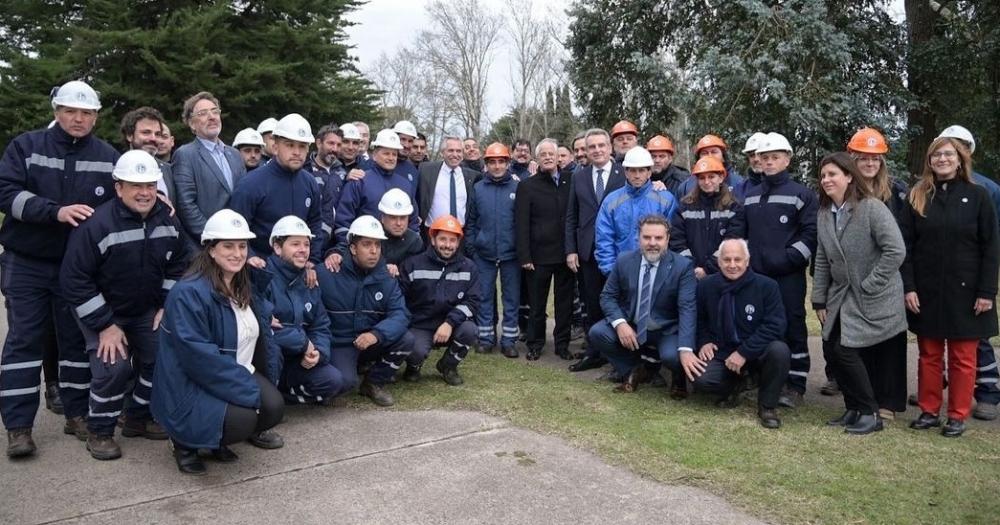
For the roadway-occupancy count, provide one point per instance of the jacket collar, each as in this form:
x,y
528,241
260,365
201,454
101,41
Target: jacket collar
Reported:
x,y
288,273
640,191
60,136
124,212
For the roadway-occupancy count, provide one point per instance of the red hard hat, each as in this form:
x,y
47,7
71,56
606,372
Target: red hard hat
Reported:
x,y
709,141
445,223
496,151
623,127
660,143
868,140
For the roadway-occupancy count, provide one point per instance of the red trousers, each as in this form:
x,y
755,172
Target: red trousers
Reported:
x,y
961,375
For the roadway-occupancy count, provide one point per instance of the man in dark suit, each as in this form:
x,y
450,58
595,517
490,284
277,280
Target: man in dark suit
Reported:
x,y
590,183
445,186
540,208
205,169
650,312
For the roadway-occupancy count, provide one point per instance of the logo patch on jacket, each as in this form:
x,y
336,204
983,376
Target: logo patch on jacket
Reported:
x,y
461,295
511,196
378,296
309,202
783,219
99,191
749,310
308,307
169,254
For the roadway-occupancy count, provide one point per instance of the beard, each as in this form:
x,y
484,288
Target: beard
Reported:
x,y
652,256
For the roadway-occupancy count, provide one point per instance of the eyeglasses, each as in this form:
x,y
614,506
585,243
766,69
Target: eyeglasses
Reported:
x,y
215,112
944,154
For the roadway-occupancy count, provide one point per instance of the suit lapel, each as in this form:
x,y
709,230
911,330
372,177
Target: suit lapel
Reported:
x,y
206,157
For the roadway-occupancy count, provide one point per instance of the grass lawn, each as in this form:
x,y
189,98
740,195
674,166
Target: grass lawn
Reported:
x,y
802,473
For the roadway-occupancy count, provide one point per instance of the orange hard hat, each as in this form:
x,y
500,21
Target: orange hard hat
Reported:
x,y
868,140
496,151
445,223
708,164
709,141
660,143
623,127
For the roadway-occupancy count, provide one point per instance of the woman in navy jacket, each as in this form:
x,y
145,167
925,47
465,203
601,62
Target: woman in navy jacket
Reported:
x,y
209,387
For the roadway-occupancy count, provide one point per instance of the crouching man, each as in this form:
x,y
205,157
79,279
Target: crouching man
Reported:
x,y
741,323
442,291
300,323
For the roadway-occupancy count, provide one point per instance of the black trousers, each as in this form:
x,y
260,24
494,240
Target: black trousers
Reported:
x,y
886,365
852,375
564,281
243,422
593,283
771,366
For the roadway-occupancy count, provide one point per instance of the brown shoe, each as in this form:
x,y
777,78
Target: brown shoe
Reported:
x,y
103,447
19,443
377,393
76,426
148,429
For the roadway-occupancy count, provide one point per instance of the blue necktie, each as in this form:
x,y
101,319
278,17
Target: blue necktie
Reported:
x,y
452,196
600,185
645,295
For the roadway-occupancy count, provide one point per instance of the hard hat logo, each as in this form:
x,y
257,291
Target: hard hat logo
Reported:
x,y
81,96
141,168
397,205
871,141
237,223
302,132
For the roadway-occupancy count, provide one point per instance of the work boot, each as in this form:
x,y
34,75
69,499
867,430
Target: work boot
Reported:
x,y
768,418
509,352
103,447
790,398
830,388
985,411
481,348
412,373
76,426
267,439
19,443
52,400
450,373
377,393
148,429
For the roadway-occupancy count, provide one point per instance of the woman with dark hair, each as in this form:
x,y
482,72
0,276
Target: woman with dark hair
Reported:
x,y
950,276
706,216
857,287
209,387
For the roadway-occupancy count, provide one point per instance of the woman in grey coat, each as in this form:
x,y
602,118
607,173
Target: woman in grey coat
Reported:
x,y
857,289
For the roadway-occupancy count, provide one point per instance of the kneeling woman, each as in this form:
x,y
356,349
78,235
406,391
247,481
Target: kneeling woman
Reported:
x,y
208,387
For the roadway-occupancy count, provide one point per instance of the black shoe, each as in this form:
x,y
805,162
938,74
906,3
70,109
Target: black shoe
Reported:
x,y
588,363
953,428
148,429
510,352
19,443
768,418
790,398
53,401
377,393
103,447
267,439
848,418
533,354
188,461
412,373
450,373
925,421
830,388
76,426
224,454
565,354
865,424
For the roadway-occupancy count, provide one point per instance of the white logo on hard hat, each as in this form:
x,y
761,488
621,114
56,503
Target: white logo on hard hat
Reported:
x,y
81,96
309,202
397,205
378,296
375,226
783,219
302,132
237,223
871,141
99,191
140,168
301,224
309,307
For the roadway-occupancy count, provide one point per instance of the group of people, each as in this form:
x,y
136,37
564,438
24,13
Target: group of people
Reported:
x,y
190,295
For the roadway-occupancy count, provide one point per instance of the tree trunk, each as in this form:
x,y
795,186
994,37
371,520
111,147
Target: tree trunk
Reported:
x,y
921,119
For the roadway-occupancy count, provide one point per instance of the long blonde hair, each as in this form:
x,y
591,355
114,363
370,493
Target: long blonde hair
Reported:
x,y
923,191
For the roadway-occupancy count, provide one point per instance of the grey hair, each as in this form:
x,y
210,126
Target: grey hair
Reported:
x,y
446,138
593,132
554,142
580,135
742,243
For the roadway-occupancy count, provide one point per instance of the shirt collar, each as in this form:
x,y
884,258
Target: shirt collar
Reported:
x,y
210,145
606,167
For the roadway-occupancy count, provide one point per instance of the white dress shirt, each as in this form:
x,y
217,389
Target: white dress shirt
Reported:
x,y
441,204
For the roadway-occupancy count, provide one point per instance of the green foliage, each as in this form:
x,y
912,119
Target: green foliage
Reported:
x,y
555,120
260,58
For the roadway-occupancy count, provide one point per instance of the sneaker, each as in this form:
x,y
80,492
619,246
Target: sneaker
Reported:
x,y
450,373
148,429
103,447
830,388
76,426
985,411
377,393
267,439
53,401
19,443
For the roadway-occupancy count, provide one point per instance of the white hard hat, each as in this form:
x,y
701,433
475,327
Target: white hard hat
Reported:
x,y
960,133
351,132
637,157
290,225
405,127
753,142
774,142
294,127
366,226
76,94
387,138
226,224
395,202
248,137
267,125
136,166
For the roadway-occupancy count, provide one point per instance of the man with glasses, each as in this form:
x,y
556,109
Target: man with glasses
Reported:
x,y
205,170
